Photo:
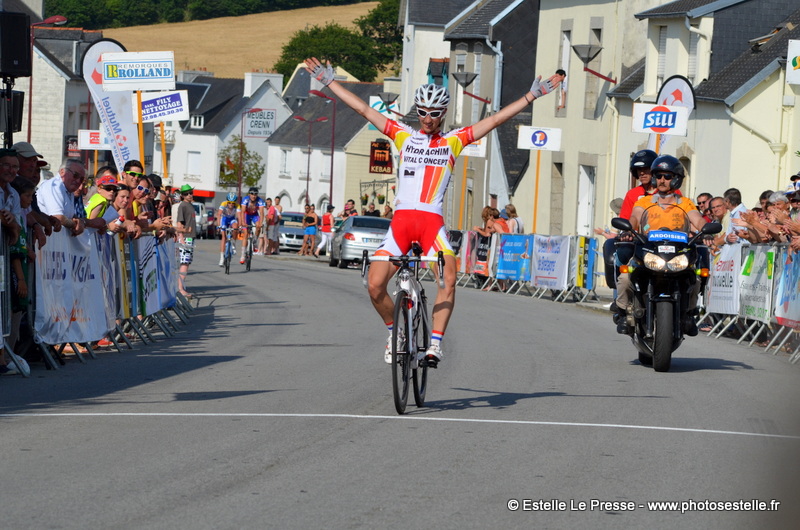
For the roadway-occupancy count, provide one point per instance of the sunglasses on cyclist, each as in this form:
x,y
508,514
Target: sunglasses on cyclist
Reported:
x,y
143,189
432,113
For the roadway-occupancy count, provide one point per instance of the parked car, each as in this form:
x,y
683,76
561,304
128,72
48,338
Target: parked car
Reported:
x,y
290,231
354,236
211,229
201,219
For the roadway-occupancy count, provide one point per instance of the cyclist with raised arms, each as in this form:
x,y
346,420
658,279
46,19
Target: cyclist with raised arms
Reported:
x,y
252,213
229,212
427,157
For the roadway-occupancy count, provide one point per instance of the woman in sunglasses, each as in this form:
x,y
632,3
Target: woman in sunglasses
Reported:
x,y
427,159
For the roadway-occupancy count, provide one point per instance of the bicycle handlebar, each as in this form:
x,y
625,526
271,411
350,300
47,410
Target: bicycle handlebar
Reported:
x,y
438,259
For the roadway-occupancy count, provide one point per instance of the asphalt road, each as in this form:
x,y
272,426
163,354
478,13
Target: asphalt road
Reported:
x,y
272,408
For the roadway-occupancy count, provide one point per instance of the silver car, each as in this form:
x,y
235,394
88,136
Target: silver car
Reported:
x,y
290,231
356,235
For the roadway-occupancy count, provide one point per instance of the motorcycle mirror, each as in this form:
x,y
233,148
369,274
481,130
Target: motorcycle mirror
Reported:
x,y
711,228
621,223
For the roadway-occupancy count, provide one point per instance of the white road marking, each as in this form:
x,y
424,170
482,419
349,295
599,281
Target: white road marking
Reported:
x,y
400,418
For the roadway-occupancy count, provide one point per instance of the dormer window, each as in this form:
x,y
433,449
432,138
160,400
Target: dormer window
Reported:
x,y
197,121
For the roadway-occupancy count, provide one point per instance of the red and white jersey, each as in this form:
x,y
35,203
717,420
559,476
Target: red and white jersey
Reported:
x,y
426,164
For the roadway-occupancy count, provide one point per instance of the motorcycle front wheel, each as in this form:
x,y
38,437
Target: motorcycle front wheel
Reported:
x,y
662,341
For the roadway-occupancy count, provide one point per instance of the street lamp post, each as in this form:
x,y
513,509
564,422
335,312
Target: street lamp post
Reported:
x,y
241,148
56,20
333,136
310,126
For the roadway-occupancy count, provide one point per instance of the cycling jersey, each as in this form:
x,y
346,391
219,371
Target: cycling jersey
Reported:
x,y
229,209
251,206
426,164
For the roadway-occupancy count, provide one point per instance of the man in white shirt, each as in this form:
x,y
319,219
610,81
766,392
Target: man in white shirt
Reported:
x,y
56,196
733,202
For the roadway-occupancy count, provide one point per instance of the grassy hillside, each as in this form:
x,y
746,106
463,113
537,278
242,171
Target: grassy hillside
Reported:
x,y
231,46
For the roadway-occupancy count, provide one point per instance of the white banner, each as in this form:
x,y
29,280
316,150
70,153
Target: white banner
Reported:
x,y
68,280
129,71
539,138
114,108
793,63
550,261
756,281
660,119
91,140
163,106
723,287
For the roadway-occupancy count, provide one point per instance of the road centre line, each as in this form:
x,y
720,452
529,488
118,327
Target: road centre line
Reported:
x,y
401,418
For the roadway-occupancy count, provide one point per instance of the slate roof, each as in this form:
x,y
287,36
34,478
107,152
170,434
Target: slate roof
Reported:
x,y
424,13
219,100
57,45
735,22
751,67
348,123
630,83
692,8
477,24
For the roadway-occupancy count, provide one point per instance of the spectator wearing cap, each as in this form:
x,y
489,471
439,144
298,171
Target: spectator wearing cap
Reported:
x,y
186,226
98,203
9,198
795,185
29,161
56,195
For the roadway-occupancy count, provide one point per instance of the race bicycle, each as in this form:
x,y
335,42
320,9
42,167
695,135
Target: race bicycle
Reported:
x,y
230,248
411,334
249,245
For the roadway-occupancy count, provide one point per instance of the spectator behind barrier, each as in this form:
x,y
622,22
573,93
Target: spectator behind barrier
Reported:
x,y
56,196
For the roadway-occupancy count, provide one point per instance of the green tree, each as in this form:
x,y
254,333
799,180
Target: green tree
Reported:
x,y
342,47
251,164
380,27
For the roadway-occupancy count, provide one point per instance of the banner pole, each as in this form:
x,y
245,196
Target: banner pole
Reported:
x,y
463,195
141,126
164,154
536,193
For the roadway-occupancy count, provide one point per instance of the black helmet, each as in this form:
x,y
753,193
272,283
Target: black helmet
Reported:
x,y
669,164
642,159
253,190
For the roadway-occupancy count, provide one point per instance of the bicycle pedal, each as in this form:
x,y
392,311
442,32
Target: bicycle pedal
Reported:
x,y
432,363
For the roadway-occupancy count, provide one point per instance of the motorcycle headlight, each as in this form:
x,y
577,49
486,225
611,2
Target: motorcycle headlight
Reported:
x,y
654,262
678,263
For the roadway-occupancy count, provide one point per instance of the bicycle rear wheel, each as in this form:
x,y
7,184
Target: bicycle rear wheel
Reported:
x,y
401,360
422,338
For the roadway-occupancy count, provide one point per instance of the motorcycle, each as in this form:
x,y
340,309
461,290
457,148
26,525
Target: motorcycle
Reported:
x,y
665,269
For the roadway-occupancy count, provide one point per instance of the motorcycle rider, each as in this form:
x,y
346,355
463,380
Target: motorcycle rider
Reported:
x,y
640,169
668,174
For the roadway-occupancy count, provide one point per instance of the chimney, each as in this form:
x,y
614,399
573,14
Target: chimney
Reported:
x,y
253,80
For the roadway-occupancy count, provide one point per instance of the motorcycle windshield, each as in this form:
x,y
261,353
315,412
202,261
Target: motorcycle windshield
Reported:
x,y
665,223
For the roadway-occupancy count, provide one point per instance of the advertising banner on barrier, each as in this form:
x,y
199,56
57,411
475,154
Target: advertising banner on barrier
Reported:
x,y
457,242
148,274
514,257
586,256
106,252
550,261
67,276
787,297
167,273
723,287
478,254
756,281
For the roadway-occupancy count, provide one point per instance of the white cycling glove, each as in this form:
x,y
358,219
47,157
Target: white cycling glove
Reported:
x,y
323,73
539,88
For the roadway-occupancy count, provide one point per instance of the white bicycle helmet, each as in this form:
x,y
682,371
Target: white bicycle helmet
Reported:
x,y
231,197
432,97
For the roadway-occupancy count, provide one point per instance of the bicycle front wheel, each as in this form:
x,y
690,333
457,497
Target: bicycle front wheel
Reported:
x,y
422,338
248,255
401,359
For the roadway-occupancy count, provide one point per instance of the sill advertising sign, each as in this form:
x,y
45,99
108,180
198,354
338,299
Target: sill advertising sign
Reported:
x,y
660,119
138,71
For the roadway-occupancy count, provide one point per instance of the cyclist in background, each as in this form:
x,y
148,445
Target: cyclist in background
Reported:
x,y
252,213
229,212
427,160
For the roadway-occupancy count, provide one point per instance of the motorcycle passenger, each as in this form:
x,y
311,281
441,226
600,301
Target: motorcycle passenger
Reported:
x,y
640,169
668,174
